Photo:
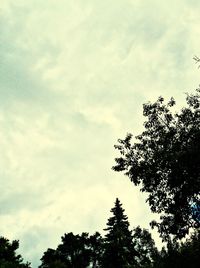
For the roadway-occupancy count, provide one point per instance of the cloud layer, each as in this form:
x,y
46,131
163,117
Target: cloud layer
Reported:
x,y
73,78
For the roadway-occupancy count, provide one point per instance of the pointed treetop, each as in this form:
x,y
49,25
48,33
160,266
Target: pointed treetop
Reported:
x,y
119,247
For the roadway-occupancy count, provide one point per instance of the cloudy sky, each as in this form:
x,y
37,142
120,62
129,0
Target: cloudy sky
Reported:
x,y
73,77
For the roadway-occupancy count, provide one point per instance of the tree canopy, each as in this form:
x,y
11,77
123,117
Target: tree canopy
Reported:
x,y
165,161
145,247
75,251
8,255
180,255
120,247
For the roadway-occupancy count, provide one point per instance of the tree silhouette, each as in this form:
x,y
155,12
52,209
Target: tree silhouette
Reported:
x,y
165,162
75,251
119,247
180,255
52,258
145,247
190,251
8,256
96,244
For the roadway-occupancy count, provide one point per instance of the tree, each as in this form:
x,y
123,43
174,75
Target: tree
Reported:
x,y
190,251
165,162
75,251
180,255
96,245
8,256
51,258
119,247
145,247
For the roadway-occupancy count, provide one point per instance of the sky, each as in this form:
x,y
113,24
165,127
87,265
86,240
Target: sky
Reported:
x,y
74,75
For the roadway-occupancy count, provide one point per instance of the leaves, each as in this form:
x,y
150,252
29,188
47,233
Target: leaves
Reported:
x,y
79,251
165,161
8,255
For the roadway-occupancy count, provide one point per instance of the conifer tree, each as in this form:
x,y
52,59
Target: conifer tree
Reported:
x,y
119,248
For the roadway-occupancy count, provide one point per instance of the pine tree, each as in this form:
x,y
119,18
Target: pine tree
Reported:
x,y
119,248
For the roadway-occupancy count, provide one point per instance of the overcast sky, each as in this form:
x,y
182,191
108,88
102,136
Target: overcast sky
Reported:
x,y
73,77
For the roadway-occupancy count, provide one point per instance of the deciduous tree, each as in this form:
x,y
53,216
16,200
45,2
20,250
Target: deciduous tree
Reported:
x,y
165,162
75,251
145,247
8,255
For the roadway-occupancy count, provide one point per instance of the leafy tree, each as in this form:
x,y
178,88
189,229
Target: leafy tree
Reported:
x,y
145,247
52,258
96,245
169,256
165,161
119,247
75,251
190,251
180,255
8,256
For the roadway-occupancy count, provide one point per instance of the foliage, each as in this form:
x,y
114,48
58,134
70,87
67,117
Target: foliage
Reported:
x,y
8,256
145,247
79,251
96,250
165,162
180,255
119,247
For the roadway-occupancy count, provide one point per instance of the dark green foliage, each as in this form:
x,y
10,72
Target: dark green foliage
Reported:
x,y
145,247
8,256
96,243
168,257
190,251
75,251
119,247
165,162
180,255
51,258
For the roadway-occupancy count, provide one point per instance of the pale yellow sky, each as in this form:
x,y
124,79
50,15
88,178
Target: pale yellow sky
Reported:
x,y
73,78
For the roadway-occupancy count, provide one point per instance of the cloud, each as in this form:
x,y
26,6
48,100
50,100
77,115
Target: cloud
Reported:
x,y
73,78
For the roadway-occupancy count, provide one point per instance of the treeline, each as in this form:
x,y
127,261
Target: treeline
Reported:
x,y
164,161
120,247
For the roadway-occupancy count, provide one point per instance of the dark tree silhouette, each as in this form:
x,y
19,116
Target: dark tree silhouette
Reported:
x,y
119,247
180,255
145,247
190,251
165,162
52,258
75,251
8,256
96,243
